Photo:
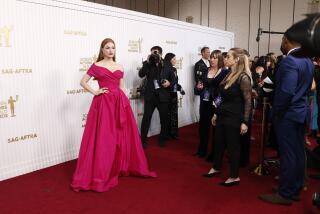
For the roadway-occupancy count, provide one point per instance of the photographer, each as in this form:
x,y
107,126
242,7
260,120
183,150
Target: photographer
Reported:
x,y
154,95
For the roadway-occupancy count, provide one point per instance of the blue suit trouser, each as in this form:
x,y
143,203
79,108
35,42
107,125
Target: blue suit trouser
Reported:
x,y
290,137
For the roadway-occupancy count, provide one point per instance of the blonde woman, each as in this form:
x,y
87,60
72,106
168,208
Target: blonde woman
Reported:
x,y
232,115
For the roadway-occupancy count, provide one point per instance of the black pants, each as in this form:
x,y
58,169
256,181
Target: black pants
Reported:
x,y
149,107
173,115
206,113
227,136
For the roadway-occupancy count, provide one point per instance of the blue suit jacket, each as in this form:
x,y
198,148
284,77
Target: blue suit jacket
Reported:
x,y
293,81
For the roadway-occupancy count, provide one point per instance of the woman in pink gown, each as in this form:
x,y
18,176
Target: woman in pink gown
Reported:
x,y
111,145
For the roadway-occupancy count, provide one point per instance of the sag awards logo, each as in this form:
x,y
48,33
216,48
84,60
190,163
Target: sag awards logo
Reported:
x,y
7,107
22,138
135,45
16,71
84,120
76,91
75,33
179,63
86,62
5,34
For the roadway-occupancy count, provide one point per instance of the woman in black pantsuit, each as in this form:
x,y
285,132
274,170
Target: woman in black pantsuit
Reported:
x,y
232,115
207,91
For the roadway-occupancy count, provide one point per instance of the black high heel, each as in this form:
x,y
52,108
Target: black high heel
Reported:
x,y
230,184
210,175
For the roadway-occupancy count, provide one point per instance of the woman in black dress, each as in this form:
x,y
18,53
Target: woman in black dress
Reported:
x,y
232,115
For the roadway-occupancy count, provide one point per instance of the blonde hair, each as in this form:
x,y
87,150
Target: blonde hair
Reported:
x,y
103,43
242,66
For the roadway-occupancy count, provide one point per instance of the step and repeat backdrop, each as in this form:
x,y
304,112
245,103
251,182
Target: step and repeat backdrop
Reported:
x,y
46,46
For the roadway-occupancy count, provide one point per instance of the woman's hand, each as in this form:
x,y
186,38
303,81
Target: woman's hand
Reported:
x,y
213,120
101,91
165,83
200,86
243,128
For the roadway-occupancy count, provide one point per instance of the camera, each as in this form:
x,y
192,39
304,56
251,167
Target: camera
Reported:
x,y
316,199
307,33
180,89
154,58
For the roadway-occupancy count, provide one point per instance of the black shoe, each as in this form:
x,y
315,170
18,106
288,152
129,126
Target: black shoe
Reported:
x,y
144,145
209,158
199,155
174,137
230,184
210,175
162,143
293,198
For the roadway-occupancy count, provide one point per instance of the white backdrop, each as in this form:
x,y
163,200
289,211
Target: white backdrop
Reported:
x,y
45,48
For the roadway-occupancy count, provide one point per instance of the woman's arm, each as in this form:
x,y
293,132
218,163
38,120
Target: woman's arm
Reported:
x,y
246,89
84,83
122,85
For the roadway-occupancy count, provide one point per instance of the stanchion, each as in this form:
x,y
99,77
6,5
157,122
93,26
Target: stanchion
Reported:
x,y
265,164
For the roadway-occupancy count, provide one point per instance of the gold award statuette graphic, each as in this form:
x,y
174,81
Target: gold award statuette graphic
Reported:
x,y
179,63
5,35
84,120
180,102
86,62
135,45
22,138
7,105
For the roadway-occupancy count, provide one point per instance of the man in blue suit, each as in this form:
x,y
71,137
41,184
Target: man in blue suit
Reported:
x,y
290,109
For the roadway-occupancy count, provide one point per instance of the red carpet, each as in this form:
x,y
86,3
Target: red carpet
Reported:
x,y
180,188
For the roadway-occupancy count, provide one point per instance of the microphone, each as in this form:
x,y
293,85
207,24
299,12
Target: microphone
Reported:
x,y
259,34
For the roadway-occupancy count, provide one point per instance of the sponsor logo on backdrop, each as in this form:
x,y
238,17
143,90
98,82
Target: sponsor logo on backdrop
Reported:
x,y
199,50
7,107
22,138
16,71
84,120
179,63
86,62
5,36
76,91
171,42
135,45
221,48
75,33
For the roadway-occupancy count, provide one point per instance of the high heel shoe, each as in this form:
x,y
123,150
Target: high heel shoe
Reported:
x,y
210,175
230,184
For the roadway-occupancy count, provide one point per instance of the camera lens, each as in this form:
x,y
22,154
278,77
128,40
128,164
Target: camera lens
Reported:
x,y
316,35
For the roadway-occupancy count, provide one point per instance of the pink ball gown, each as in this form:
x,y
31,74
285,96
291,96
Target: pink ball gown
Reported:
x,y
111,145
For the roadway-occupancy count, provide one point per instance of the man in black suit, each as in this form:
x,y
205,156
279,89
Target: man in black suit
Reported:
x,y
200,71
202,65
155,95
